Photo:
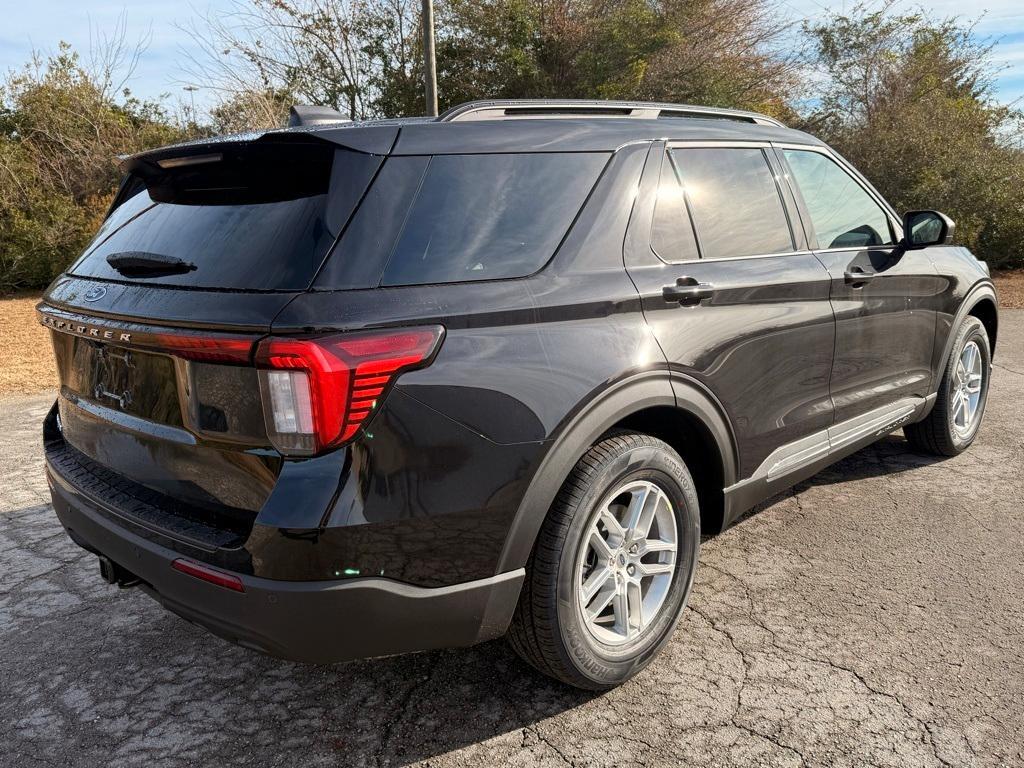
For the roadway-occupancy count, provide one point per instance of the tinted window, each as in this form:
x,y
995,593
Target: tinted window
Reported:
x,y
672,234
359,258
735,202
482,217
260,219
844,215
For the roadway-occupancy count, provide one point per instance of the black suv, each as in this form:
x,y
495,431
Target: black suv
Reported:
x,y
347,390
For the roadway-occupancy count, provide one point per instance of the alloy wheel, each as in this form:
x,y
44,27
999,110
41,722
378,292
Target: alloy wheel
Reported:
x,y
626,562
967,388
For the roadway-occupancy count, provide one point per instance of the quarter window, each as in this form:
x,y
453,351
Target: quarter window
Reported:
x,y
844,215
672,235
482,217
736,205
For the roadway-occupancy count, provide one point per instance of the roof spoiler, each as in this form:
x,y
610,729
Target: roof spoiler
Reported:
x,y
305,114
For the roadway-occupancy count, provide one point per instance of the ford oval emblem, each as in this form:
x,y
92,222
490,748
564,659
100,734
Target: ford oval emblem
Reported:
x,y
95,294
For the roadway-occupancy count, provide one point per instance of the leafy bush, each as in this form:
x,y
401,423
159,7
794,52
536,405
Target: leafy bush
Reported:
x,y
61,132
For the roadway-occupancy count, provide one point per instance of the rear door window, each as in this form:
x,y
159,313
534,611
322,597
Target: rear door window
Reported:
x,y
735,202
254,218
459,218
844,215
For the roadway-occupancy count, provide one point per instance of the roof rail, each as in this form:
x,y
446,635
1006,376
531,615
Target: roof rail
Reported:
x,y
554,108
304,114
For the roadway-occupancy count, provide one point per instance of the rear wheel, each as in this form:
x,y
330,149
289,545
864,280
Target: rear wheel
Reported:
x,y
613,565
959,408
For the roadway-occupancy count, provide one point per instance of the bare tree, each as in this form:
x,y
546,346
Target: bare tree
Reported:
x,y
309,49
112,60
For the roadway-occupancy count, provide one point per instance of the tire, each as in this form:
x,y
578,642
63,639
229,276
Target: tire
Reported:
x,y
942,432
550,630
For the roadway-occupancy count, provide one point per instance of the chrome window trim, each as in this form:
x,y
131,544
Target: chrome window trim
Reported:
x,y
666,161
716,143
804,252
858,248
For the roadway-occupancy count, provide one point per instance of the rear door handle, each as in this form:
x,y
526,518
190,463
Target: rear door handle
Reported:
x,y
857,277
687,291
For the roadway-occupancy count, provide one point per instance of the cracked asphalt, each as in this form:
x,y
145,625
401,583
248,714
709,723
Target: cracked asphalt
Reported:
x,y
870,617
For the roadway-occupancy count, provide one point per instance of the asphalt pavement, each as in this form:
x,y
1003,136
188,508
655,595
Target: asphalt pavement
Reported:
x,y
873,616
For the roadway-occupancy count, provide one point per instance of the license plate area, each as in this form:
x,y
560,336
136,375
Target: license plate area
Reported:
x,y
126,380
112,375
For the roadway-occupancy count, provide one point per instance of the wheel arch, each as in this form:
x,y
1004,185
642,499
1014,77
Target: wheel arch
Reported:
x,y
645,402
985,310
979,302
695,442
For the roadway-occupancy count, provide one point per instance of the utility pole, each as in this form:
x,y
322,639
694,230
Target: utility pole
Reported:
x,y
429,60
192,93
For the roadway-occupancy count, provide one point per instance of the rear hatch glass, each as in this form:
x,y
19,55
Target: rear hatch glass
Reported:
x,y
243,217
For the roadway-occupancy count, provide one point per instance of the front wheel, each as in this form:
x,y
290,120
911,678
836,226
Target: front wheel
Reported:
x,y
959,408
612,566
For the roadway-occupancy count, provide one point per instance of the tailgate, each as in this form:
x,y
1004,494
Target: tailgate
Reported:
x,y
191,429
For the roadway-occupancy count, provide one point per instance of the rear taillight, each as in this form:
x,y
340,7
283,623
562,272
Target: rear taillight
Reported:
x,y
205,349
318,392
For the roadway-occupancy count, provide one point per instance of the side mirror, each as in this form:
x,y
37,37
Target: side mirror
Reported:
x,y
924,228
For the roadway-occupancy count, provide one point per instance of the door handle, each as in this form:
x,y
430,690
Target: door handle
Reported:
x,y
687,291
858,277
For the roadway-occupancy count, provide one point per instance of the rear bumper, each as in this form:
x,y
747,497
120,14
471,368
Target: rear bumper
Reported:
x,y
311,621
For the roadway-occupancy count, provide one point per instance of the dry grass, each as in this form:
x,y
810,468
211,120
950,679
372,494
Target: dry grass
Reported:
x,y
1010,287
27,366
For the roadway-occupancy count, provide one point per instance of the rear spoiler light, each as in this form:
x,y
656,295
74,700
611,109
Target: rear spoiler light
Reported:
x,y
317,391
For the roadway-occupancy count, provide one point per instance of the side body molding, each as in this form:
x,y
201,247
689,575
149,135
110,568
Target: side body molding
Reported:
x,y
791,463
581,430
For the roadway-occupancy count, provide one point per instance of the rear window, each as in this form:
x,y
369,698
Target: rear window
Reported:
x,y
458,218
250,218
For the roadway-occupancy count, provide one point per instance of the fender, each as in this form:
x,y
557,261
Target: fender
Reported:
x,y
981,290
624,398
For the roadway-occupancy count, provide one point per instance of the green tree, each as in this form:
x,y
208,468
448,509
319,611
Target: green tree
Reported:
x,y
713,52
909,100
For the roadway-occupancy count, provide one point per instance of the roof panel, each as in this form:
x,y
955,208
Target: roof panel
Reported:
x,y
576,134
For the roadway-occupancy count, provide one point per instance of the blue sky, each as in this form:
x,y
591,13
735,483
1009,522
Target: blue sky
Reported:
x,y
40,24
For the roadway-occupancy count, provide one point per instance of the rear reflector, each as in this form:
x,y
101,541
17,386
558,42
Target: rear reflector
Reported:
x,y
318,392
211,575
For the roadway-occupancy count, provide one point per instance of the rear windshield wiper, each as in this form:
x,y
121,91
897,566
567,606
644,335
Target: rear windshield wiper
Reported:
x,y
142,264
